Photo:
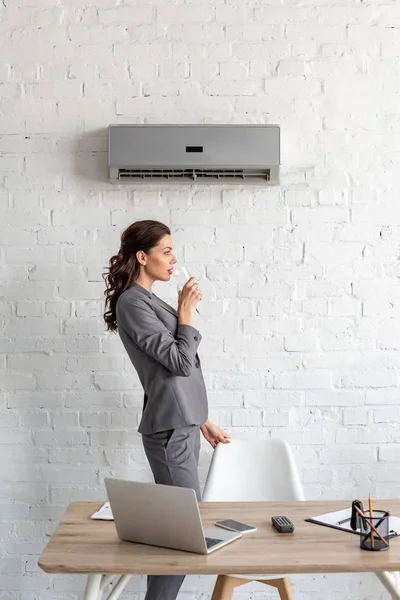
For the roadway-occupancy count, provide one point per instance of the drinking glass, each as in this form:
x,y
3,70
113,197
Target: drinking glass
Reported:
x,y
182,276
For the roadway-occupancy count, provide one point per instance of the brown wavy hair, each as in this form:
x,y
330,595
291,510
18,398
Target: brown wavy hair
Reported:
x,y
124,268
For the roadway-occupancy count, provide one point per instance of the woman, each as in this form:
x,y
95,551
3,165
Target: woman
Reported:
x,y
162,346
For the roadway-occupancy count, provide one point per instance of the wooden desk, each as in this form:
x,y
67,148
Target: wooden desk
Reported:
x,y
81,545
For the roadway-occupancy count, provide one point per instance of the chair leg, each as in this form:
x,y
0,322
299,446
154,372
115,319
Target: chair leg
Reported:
x,y
92,589
282,585
225,585
391,581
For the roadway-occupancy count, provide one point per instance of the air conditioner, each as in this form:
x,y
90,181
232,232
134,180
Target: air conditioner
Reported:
x,y
194,153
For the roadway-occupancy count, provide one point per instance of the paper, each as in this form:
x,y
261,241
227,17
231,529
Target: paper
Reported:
x,y
340,519
104,513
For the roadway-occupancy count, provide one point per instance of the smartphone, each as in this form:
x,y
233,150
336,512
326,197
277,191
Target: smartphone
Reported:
x,y
235,526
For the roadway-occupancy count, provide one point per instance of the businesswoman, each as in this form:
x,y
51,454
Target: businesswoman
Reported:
x,y
162,345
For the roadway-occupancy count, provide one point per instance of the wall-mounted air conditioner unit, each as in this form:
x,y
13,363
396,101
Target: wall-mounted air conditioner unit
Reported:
x,y
194,153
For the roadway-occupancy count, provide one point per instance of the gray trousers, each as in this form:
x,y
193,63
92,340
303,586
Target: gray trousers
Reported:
x,y
174,457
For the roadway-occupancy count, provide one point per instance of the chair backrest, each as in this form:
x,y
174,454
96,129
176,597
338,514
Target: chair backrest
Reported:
x,y
253,470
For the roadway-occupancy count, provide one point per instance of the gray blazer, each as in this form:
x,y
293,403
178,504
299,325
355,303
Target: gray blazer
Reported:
x,y
165,356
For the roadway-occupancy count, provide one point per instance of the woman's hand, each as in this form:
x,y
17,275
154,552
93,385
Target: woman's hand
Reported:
x,y
214,434
188,297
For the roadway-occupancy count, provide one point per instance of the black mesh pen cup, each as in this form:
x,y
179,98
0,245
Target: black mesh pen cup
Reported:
x,y
377,538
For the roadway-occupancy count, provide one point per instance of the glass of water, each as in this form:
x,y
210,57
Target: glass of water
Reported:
x,y
182,276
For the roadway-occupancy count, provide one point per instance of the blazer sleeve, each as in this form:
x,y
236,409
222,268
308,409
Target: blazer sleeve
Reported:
x,y
139,320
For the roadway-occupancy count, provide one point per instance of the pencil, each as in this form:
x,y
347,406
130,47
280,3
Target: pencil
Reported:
x,y
371,526
371,514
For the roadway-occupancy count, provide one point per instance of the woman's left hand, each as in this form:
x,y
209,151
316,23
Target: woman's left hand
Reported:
x,y
214,434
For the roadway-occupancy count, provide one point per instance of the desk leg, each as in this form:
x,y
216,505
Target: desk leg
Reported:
x,y
391,581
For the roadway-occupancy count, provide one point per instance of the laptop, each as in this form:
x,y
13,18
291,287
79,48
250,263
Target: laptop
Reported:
x,y
162,515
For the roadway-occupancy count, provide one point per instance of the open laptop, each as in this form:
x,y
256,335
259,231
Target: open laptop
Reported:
x,y
162,515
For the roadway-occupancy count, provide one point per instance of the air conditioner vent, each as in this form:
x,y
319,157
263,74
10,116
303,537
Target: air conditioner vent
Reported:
x,y
193,174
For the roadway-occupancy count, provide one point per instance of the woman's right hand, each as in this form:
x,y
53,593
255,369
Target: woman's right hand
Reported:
x,y
189,296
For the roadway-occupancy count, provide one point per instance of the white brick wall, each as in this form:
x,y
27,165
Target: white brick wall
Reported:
x,y
301,336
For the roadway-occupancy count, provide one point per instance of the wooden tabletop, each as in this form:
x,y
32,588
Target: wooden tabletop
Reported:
x,y
82,545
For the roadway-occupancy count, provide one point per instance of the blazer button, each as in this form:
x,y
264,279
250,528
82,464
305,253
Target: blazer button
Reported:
x,y
196,338
197,364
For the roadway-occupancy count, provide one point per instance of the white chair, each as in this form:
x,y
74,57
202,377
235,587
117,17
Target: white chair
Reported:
x,y
255,471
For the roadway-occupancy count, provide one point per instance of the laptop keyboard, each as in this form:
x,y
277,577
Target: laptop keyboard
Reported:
x,y
210,542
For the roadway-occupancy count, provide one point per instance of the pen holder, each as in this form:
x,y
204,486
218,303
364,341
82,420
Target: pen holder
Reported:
x,y
371,540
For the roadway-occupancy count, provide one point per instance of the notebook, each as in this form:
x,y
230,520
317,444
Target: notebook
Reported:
x,y
104,513
340,519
